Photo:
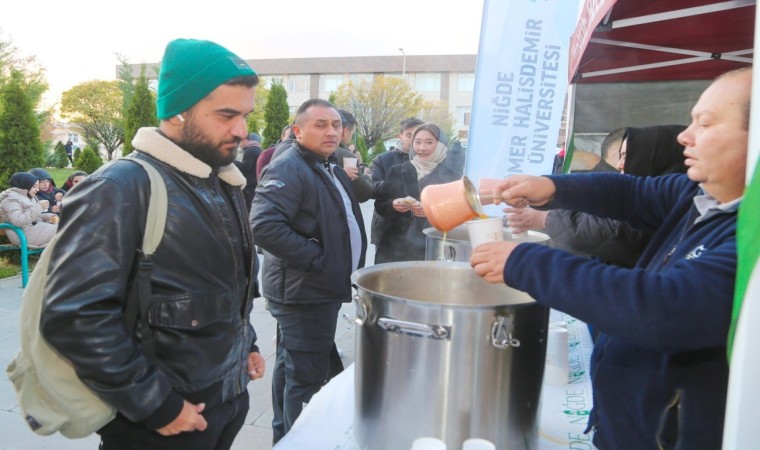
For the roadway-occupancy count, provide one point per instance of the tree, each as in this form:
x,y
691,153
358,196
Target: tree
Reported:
x,y
276,114
60,160
88,161
141,112
379,106
95,107
256,118
77,154
126,81
437,112
20,145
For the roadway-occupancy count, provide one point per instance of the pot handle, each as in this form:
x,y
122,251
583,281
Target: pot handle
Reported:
x,y
439,332
452,254
501,333
361,312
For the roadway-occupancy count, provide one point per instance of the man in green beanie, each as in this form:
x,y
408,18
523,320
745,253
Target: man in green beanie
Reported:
x,y
179,381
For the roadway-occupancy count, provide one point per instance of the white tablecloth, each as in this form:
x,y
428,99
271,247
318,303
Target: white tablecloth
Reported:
x,y
327,422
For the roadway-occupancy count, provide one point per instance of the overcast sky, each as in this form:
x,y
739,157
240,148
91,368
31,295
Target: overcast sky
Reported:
x,y
76,41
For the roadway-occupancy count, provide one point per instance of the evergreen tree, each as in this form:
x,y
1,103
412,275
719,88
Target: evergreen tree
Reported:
x,y
276,114
77,154
20,145
60,160
88,161
141,112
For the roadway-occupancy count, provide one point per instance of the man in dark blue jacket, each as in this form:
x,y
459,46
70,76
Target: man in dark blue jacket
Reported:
x,y
306,218
665,322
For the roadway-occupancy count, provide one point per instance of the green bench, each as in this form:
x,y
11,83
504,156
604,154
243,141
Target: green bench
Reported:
x,y
23,249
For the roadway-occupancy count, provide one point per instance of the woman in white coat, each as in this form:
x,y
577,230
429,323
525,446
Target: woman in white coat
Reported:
x,y
20,207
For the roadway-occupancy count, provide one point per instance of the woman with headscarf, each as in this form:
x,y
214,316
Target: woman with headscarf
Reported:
x,y
48,190
398,199
20,207
649,151
73,179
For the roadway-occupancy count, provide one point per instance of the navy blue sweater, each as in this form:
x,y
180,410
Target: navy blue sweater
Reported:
x,y
664,323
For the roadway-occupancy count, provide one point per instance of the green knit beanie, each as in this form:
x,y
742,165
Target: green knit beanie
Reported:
x,y
190,70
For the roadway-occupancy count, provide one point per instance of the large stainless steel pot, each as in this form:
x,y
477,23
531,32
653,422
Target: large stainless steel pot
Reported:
x,y
442,353
456,246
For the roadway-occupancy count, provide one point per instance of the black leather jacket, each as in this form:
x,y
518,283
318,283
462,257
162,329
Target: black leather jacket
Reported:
x,y
202,287
299,219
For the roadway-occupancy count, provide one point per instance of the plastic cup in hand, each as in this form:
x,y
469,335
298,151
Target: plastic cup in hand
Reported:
x,y
428,443
485,230
350,162
478,444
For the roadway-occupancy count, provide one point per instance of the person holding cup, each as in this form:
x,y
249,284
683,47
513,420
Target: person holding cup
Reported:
x,y
48,190
20,207
664,324
397,201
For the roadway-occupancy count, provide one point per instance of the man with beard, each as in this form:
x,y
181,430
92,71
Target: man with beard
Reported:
x,y
179,381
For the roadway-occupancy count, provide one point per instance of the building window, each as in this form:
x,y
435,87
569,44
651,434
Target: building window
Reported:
x,y
463,116
357,78
466,82
395,75
427,82
298,83
330,83
269,80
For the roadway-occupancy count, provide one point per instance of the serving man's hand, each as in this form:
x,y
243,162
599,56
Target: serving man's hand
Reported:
x,y
189,419
520,191
256,365
489,260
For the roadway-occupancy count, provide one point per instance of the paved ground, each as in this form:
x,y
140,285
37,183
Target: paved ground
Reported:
x,y
255,435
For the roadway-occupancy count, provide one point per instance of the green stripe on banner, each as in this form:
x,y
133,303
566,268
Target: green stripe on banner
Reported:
x,y
748,248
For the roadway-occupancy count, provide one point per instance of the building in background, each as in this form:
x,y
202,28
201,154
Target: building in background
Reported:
x,y
450,78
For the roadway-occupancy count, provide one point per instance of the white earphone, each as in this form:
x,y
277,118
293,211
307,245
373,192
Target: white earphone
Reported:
x,y
181,119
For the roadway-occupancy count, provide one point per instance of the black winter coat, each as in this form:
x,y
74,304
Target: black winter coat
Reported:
x,y
299,220
203,284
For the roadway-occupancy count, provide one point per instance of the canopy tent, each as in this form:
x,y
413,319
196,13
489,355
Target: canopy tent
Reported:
x,y
654,40
645,62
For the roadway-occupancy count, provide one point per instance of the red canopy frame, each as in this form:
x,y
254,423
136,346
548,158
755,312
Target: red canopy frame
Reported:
x,y
655,40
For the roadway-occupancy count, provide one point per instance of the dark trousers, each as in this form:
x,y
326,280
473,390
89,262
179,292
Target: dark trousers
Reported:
x,y
224,423
306,359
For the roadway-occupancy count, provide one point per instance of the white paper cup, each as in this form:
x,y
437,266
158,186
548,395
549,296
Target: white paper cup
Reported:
x,y
45,204
485,230
556,369
428,443
478,444
350,162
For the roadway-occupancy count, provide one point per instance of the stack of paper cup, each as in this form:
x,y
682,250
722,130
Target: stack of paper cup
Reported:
x,y
478,444
556,369
428,443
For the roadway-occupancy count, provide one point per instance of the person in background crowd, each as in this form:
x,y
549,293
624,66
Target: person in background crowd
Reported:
x,y
48,190
69,147
179,381
664,324
398,201
651,151
610,151
266,156
306,218
362,183
73,179
251,146
382,163
19,206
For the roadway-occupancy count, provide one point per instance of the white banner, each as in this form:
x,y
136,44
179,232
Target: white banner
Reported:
x,y
520,87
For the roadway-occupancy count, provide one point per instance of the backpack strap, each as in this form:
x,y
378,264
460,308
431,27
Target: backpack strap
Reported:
x,y
140,296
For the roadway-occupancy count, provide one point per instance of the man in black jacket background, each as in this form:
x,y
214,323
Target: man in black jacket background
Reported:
x,y
306,218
